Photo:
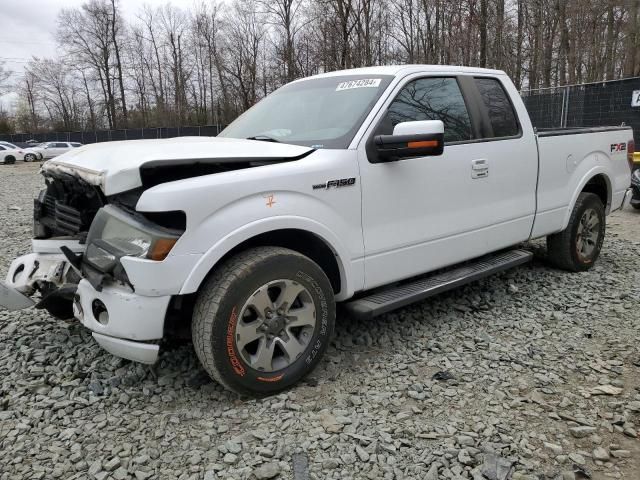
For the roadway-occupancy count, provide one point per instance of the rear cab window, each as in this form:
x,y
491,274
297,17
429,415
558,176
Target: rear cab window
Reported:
x,y
502,116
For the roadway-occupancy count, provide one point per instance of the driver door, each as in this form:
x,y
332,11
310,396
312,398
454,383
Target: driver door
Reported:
x,y
420,214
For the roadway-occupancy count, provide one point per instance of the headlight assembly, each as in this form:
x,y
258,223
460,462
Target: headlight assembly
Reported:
x,y
635,177
115,234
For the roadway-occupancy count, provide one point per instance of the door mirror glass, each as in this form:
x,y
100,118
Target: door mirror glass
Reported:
x,y
421,138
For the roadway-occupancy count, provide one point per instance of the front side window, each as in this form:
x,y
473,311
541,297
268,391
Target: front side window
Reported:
x,y
501,113
321,112
61,145
431,99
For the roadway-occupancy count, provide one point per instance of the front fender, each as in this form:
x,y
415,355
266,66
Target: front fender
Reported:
x,y
228,208
349,270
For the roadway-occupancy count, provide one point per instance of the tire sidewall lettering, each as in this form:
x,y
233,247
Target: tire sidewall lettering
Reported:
x,y
236,365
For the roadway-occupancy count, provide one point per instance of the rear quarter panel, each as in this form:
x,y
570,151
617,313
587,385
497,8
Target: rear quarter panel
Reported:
x,y
567,163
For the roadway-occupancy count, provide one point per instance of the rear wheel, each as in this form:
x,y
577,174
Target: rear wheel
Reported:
x,y
9,160
263,320
578,246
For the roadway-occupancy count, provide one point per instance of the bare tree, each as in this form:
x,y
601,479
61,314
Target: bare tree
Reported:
x,y
116,26
86,34
245,30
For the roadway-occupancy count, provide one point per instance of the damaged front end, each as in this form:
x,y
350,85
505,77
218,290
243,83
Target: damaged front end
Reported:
x,y
76,270
62,216
79,233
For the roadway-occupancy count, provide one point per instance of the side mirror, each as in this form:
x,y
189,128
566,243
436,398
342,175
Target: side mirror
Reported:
x,y
411,139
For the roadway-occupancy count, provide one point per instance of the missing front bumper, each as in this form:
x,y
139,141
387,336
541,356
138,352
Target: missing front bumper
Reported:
x,y
126,323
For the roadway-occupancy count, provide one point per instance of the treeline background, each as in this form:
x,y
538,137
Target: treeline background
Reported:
x,y
172,66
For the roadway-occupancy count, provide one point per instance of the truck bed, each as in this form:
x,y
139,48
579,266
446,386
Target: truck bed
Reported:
x,y
567,159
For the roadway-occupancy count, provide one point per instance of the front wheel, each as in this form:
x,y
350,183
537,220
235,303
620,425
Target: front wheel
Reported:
x,y
263,320
29,157
578,246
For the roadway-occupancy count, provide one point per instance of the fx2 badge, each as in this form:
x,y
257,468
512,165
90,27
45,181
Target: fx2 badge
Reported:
x,y
618,147
342,182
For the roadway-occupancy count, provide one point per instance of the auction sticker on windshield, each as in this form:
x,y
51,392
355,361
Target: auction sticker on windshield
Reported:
x,y
364,83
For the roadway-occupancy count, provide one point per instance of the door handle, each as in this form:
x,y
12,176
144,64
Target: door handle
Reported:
x,y
479,168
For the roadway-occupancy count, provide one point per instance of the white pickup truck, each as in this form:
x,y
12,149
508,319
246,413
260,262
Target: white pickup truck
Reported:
x,y
349,187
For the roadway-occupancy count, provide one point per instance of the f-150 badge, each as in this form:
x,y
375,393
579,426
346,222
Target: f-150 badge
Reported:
x,y
342,182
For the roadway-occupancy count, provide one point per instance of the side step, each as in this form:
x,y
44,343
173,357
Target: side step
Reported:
x,y
398,296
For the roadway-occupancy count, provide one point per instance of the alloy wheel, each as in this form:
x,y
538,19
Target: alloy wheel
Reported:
x,y
588,234
275,325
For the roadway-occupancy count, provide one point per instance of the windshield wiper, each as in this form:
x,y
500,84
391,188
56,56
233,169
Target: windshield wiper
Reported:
x,y
264,138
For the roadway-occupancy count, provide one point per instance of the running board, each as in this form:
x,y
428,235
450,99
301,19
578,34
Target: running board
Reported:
x,y
399,296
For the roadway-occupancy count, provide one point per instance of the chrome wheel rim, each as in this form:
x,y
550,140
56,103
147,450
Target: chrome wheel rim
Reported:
x,y
275,325
588,234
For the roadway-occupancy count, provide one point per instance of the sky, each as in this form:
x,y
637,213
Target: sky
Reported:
x,y
29,26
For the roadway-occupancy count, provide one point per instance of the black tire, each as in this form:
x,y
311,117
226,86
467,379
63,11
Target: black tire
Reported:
x,y
30,157
564,248
636,206
222,300
9,160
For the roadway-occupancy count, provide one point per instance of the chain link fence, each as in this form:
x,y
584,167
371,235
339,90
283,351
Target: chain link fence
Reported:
x,y
586,105
111,135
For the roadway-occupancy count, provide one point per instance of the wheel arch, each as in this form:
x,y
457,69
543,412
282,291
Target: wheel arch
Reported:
x,y
599,185
302,241
310,240
596,181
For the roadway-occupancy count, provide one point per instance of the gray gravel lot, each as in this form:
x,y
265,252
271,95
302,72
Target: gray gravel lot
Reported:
x,y
532,374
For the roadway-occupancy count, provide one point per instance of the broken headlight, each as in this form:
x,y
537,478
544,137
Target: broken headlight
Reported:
x,y
115,234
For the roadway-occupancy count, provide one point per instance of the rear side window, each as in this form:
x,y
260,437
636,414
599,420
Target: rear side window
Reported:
x,y
501,113
61,145
431,99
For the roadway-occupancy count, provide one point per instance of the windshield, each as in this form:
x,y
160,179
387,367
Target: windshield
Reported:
x,y
319,112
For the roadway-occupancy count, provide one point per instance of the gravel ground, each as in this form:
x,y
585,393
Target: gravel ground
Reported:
x,y
531,374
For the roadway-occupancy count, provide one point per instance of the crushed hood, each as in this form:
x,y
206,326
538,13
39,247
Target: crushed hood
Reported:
x,y
118,166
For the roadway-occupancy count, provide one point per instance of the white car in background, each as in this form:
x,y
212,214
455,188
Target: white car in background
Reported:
x,y
47,150
10,145
9,153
